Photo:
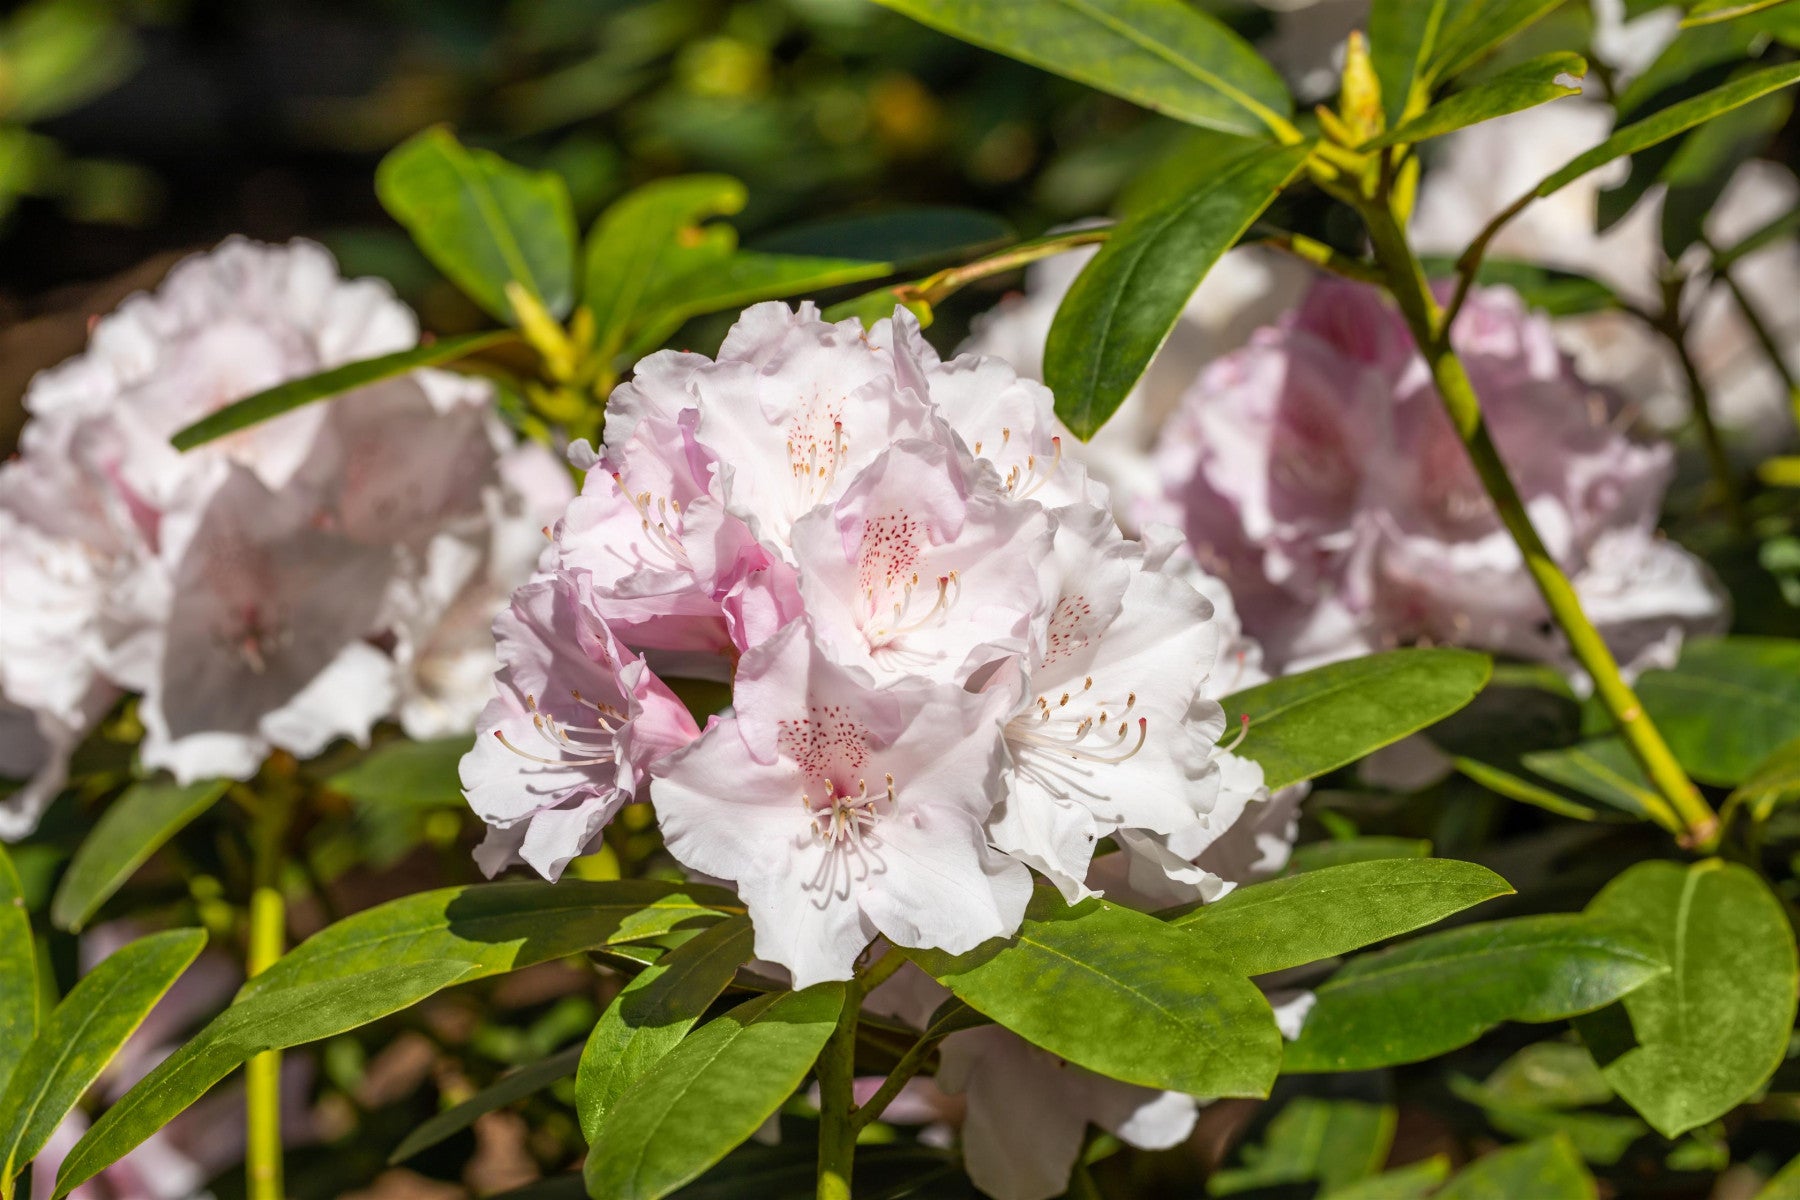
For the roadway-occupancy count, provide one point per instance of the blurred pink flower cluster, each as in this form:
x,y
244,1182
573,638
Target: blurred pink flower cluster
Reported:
x,y
947,665
280,587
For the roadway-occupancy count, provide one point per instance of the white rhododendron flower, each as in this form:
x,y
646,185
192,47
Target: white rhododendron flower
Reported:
x,y
274,589
947,664
1316,472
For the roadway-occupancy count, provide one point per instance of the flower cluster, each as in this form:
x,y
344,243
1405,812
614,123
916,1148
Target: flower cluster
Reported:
x,y
1316,471
280,587
947,665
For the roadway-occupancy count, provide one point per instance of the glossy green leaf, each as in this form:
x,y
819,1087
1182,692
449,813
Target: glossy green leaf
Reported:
x,y
1331,1142
295,393
1602,769
743,279
1667,123
1728,705
1402,36
1543,1170
497,927
1708,1035
134,827
1708,11
1283,923
81,1036
271,1020
1475,28
1307,724
1524,86
1120,993
1436,993
1337,852
514,1085
18,971
482,221
709,1094
1127,299
1412,1182
1162,54
653,1013
652,236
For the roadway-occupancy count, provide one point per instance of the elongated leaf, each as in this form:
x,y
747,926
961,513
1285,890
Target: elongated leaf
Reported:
x,y
709,1094
1708,11
906,237
1332,1142
1524,86
1402,36
1161,54
1120,993
1307,724
406,774
484,222
653,1013
1728,704
1776,780
285,397
1475,28
1784,226
514,1085
741,280
1601,1138
1339,852
132,829
273,1020
18,971
1125,302
81,1037
1602,768
652,236
1544,1170
1550,1075
497,927
1432,995
1412,1182
1667,123
1283,923
1708,1035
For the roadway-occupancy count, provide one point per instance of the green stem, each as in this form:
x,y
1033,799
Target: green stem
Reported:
x,y
1760,329
1693,819
898,1078
935,289
1700,403
268,935
837,1102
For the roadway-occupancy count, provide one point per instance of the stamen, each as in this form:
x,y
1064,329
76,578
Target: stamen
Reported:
x,y
592,761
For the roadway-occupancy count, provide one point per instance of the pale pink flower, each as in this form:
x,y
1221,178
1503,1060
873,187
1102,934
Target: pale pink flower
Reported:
x,y
576,722
842,810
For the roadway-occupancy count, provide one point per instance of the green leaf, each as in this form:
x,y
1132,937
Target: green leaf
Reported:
x,y
1708,11
1728,705
1550,1075
1339,851
741,280
905,237
514,1085
1708,1035
1600,1138
1776,780
1524,86
1402,36
18,971
1785,1184
710,1093
1161,54
1477,28
136,826
1436,993
1120,993
651,236
1667,123
1332,1142
653,1013
484,222
1284,923
1603,769
496,927
1124,303
77,1041
406,774
1777,229
1307,724
272,1020
1413,1182
1544,1170
295,393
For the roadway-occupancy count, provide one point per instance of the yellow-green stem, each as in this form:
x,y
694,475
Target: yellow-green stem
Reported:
x,y
1718,461
1694,821
837,1100
1760,329
268,936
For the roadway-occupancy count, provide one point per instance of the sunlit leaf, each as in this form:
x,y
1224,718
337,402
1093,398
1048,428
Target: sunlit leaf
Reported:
x,y
1524,86
133,828
18,971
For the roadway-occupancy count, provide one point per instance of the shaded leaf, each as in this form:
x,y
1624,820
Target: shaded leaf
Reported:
x,y
1602,769
1332,1142
295,393
650,237
18,971
1524,86
1600,1138
134,826
1161,54
1338,852
1706,1036
1307,724
1728,705
1550,1075
709,1094
1412,1182
514,1085
1120,993
81,1036
1475,28
406,774
1776,780
272,1020
1436,993
1127,299
1544,1170
1402,36
743,279
1283,923
904,237
1708,11
482,221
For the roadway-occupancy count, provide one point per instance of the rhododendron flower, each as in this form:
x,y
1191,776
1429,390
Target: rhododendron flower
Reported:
x,y
566,742
1316,472
842,809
